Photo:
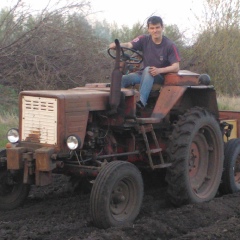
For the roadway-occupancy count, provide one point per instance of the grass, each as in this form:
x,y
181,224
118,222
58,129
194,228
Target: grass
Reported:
x,y
8,100
228,103
7,121
8,112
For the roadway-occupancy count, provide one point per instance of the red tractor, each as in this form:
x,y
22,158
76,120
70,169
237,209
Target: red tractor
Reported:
x,y
96,135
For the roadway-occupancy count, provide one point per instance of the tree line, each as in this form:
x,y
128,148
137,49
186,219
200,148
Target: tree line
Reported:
x,y
61,47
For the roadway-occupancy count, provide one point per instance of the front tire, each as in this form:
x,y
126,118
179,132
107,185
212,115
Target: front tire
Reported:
x,y
13,192
196,152
117,194
231,173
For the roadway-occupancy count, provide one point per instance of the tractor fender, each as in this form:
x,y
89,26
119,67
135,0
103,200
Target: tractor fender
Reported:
x,y
184,97
168,97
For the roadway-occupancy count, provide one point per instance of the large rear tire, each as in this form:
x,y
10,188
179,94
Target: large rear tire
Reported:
x,y
117,194
13,192
231,173
196,152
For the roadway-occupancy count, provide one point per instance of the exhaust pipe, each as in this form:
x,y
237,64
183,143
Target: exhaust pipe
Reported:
x,y
115,87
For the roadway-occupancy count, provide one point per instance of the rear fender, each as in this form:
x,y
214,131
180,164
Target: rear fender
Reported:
x,y
185,97
168,97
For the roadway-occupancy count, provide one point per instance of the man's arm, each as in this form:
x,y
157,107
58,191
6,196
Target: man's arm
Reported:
x,y
170,69
127,45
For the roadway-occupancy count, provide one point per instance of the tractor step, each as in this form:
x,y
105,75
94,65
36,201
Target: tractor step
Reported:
x,y
144,129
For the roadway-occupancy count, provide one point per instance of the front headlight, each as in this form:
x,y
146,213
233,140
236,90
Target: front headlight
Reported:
x,y
73,142
13,135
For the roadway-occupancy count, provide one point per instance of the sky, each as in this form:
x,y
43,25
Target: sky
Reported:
x,y
128,12
131,11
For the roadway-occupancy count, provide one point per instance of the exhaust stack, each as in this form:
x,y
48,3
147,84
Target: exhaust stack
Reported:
x,y
116,78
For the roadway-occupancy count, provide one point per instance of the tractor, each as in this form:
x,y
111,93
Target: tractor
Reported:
x,y
95,135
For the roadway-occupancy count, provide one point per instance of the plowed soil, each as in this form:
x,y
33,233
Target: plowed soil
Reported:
x,y
55,212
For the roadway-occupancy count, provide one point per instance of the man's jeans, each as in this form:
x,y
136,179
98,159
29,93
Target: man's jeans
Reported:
x,y
146,81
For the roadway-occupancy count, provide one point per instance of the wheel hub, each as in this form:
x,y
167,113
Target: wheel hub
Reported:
x,y
120,198
198,163
194,160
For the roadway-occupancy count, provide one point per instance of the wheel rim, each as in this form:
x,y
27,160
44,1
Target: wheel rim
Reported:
x,y
202,162
122,199
237,171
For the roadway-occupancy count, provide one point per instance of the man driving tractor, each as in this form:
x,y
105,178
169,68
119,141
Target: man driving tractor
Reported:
x,y
160,56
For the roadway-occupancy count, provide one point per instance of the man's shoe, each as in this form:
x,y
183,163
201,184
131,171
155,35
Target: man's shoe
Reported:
x,y
139,105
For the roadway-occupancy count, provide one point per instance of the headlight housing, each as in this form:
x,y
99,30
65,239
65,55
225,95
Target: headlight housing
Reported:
x,y
73,142
13,135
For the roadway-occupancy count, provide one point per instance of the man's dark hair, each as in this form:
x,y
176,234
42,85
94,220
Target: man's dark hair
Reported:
x,y
155,20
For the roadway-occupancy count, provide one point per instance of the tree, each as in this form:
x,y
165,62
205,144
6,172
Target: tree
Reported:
x,y
102,30
55,49
126,34
217,49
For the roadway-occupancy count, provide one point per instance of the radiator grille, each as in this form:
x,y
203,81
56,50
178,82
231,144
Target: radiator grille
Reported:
x,y
39,119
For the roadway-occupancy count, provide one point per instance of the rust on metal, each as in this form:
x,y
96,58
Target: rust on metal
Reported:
x,y
43,159
15,158
168,97
115,88
34,136
182,78
43,178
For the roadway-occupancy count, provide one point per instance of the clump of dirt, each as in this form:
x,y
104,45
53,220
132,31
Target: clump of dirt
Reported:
x,y
55,212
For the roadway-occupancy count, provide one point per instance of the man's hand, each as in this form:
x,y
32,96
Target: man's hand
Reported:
x,y
174,68
154,71
126,45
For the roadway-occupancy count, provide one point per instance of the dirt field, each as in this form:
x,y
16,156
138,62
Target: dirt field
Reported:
x,y
55,213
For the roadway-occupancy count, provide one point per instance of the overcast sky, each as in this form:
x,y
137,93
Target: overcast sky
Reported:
x,y
128,12
131,11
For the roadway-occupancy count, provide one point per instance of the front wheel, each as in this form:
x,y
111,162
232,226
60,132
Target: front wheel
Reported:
x,y
196,152
13,192
231,173
117,194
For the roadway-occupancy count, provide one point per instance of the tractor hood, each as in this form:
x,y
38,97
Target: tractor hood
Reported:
x,y
88,98
83,99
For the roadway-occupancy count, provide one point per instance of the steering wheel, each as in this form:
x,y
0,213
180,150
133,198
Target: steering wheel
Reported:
x,y
128,55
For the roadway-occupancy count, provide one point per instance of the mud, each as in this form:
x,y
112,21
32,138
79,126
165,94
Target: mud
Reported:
x,y
55,212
